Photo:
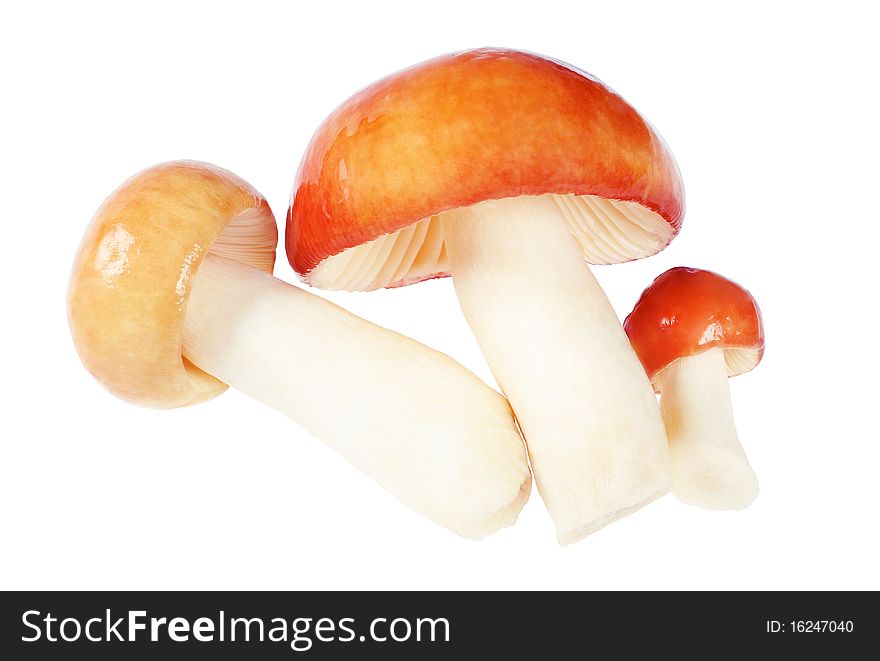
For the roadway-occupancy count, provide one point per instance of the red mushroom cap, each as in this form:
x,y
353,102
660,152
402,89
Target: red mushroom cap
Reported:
x,y
687,311
467,127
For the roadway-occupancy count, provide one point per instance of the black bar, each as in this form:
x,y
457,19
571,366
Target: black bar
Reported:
x,y
683,624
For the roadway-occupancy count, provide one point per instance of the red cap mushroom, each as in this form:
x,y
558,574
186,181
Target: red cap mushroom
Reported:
x,y
692,329
171,298
509,171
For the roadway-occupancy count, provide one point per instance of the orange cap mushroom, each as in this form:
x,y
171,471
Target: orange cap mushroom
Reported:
x,y
134,270
509,171
464,128
171,298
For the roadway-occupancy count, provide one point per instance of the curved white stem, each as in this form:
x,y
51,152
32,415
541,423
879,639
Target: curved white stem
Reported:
x,y
556,347
709,467
413,419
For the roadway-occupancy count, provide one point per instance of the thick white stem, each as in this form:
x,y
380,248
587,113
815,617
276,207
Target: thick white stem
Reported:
x,y
709,467
413,419
556,347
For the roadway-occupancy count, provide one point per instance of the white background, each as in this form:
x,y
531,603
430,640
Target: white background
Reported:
x,y
771,110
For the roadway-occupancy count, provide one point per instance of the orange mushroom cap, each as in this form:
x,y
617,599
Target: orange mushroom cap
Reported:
x,y
686,311
133,274
468,127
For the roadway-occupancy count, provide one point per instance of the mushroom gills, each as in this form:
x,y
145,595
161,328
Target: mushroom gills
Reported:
x,y
248,239
413,419
607,231
558,351
709,467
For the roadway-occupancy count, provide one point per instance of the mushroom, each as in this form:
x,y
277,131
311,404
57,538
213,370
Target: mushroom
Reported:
x,y
510,172
171,298
692,329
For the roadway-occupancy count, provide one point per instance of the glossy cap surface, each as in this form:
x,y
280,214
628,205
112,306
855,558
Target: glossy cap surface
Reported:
x,y
686,311
131,277
467,127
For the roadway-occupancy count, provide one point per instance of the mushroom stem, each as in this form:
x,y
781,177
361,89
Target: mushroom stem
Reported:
x,y
557,349
709,467
428,430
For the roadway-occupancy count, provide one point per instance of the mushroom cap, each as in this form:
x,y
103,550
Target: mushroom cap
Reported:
x,y
132,275
461,129
686,311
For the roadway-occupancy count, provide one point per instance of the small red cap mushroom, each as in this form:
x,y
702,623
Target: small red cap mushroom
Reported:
x,y
692,329
687,311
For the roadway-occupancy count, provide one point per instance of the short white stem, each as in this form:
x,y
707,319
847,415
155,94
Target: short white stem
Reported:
x,y
709,466
556,347
413,419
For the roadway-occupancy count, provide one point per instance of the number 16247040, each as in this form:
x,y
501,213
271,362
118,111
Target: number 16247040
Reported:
x,y
810,626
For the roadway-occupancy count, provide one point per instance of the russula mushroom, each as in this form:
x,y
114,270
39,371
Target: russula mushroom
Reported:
x,y
171,298
692,329
509,171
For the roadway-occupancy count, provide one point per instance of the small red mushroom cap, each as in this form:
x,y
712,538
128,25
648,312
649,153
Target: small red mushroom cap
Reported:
x,y
686,311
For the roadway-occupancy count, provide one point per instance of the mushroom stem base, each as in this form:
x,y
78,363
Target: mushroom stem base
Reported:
x,y
709,467
413,419
557,349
